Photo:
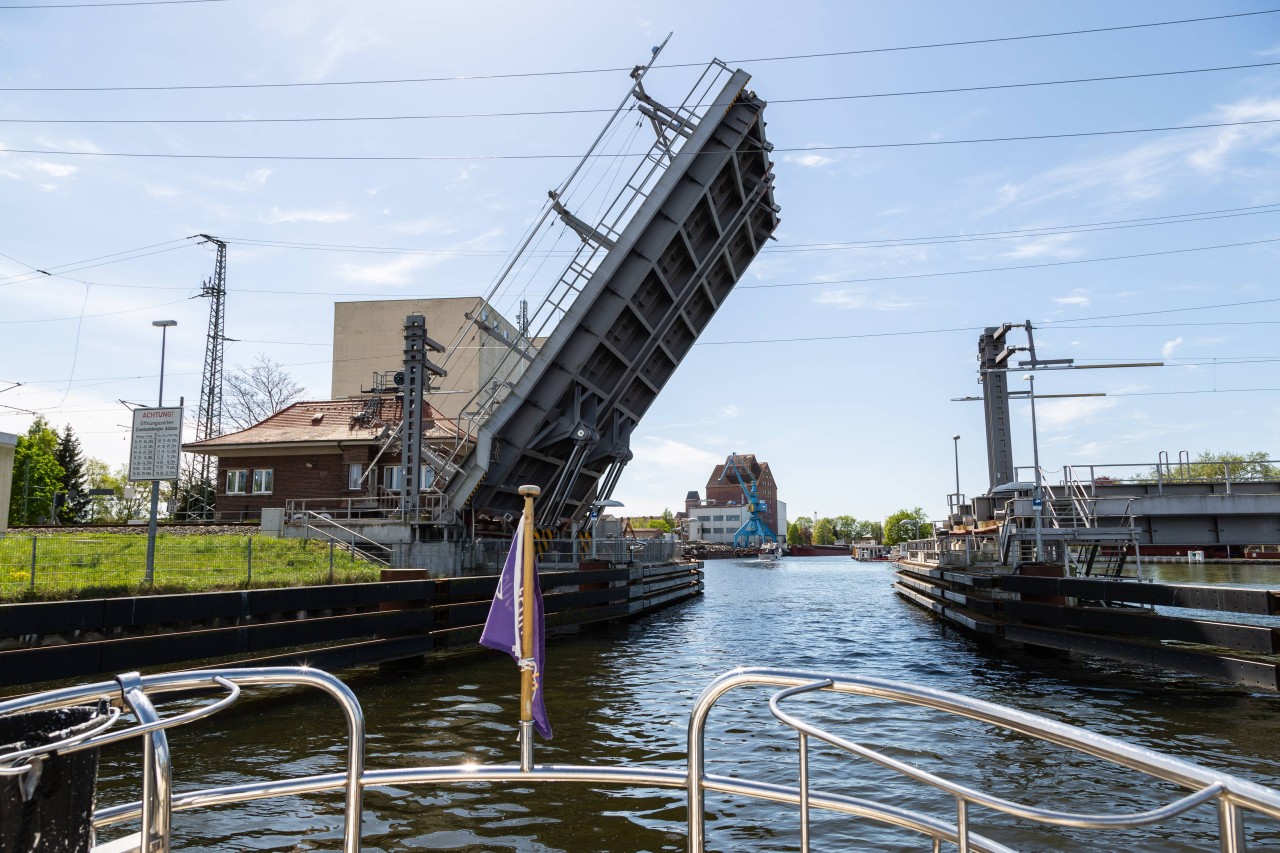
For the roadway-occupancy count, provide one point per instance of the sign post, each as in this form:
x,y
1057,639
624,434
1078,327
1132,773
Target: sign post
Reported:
x,y
155,454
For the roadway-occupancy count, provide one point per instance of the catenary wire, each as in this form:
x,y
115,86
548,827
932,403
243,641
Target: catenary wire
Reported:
x,y
596,110
776,285
611,70
410,158
889,242
38,6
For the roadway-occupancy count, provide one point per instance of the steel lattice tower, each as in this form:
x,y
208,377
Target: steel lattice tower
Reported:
x,y
209,415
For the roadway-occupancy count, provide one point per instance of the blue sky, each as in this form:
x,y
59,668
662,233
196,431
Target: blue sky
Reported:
x,y
849,424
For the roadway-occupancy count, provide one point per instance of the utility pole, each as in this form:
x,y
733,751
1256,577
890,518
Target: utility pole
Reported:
x,y
209,414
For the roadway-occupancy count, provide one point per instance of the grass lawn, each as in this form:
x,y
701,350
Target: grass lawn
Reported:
x,y
97,565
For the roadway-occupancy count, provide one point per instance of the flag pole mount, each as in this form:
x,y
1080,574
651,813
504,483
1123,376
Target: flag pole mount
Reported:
x,y
528,577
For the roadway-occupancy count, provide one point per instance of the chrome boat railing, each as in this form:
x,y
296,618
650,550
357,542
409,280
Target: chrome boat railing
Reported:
x,y
1233,797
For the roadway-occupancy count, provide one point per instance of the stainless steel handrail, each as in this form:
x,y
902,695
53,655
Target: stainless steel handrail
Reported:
x,y
134,690
1230,792
1232,795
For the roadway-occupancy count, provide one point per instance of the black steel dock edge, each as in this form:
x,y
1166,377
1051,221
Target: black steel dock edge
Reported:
x,y
341,625
1109,618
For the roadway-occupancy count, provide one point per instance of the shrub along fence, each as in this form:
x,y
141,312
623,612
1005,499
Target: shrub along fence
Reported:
x,y
68,565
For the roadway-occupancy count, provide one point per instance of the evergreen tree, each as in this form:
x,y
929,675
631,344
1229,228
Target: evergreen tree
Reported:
x,y
37,476
74,482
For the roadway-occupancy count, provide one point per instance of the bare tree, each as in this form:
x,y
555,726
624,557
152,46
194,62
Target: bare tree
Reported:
x,y
257,392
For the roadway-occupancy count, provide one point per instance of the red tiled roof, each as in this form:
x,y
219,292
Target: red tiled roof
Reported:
x,y
325,421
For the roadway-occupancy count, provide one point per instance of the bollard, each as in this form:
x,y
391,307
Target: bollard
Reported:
x,y
50,807
248,561
33,563
330,561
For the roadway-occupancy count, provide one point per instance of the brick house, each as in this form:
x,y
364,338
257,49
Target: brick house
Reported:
x,y
319,451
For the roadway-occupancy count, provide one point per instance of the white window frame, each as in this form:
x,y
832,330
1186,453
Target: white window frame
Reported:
x,y
355,471
260,474
393,478
241,478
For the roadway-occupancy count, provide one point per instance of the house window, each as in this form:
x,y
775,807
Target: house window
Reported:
x,y
425,477
262,481
392,478
236,481
354,472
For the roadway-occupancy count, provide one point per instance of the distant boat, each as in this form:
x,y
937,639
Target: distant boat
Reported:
x,y
770,551
867,552
819,551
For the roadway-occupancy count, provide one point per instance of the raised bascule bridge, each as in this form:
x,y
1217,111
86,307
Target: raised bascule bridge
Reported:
x,y
646,280
552,400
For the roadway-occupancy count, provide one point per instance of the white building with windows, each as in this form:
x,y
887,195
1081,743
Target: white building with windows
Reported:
x,y
712,521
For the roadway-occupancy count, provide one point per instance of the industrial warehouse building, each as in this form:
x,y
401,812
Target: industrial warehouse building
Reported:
x,y
722,512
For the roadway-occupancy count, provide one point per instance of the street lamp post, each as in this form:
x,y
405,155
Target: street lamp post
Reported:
x,y
955,440
595,519
155,484
1037,502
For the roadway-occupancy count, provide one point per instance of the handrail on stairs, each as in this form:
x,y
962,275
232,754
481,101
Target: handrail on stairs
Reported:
x,y
309,514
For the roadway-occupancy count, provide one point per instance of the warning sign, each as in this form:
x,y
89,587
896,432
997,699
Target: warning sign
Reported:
x,y
156,450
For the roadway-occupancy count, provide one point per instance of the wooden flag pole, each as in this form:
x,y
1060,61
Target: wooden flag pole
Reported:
x,y
528,577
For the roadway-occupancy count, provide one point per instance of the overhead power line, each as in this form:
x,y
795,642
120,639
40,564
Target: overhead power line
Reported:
x,y
1005,269
596,110
615,156
60,270
611,70
811,283
1040,323
36,6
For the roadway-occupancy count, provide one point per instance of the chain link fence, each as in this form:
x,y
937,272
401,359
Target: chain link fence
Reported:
x,y
86,566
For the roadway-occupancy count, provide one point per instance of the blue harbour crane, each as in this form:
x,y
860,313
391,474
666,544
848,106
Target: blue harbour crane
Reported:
x,y
755,526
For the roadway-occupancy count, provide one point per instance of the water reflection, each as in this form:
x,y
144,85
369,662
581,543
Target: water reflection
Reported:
x,y
622,693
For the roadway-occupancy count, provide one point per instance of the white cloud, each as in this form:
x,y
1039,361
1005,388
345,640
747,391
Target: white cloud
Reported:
x,y
730,411
53,170
1060,414
322,216
158,191
646,487
1051,246
1170,347
399,271
259,176
425,225
1078,297
1151,169
1091,450
810,161
79,145
849,298
1224,141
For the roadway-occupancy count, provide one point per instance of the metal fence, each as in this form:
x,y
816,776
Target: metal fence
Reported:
x,y
488,555
68,566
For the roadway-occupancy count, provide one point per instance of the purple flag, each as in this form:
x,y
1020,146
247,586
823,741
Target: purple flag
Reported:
x,y
502,630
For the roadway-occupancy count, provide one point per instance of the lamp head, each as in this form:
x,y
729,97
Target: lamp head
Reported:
x,y
164,323
955,438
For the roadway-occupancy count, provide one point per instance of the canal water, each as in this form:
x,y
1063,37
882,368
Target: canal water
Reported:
x,y
622,693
